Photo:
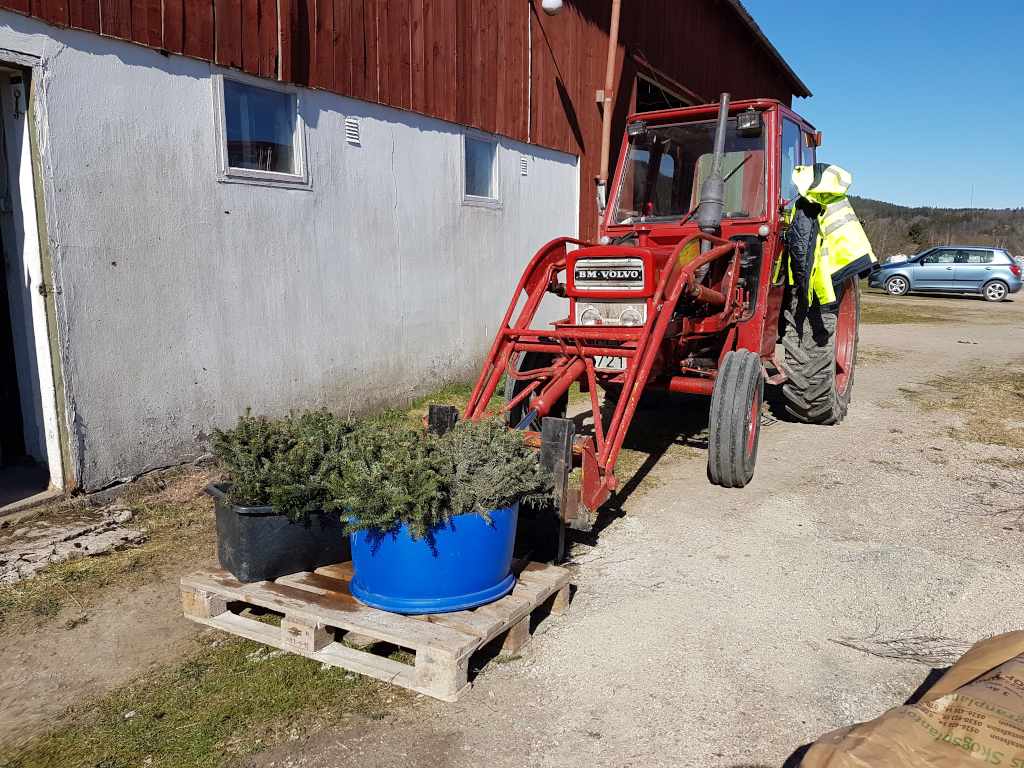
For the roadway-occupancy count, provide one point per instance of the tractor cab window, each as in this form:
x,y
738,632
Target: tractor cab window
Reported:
x,y
790,158
666,165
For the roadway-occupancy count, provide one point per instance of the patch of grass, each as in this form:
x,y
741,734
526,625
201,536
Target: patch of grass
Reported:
x,y
877,356
181,527
234,699
991,401
457,394
507,658
891,311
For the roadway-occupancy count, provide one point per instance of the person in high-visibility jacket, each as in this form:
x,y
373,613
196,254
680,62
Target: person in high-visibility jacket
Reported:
x,y
825,239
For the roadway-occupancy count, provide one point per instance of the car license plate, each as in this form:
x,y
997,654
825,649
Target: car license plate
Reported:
x,y
609,363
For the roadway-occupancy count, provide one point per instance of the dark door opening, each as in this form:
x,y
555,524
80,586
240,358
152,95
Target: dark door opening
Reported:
x,y
12,427
27,402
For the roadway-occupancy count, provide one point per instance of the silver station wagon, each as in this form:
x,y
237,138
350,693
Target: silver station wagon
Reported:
x,y
992,272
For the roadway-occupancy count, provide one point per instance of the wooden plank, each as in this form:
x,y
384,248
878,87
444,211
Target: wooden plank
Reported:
x,y
429,45
20,6
542,573
559,603
357,45
286,9
198,32
470,622
417,64
393,63
404,51
268,38
299,634
462,91
302,41
251,36
451,68
490,70
334,654
323,69
83,14
389,627
342,571
502,59
341,48
154,23
116,18
376,53
228,32
517,636
140,26
319,584
509,609
531,591
174,25
55,12
475,77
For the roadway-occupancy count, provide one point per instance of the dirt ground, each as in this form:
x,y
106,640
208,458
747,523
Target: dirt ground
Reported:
x,y
707,624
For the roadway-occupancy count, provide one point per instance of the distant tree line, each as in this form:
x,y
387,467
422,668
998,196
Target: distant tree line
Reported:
x,y
897,229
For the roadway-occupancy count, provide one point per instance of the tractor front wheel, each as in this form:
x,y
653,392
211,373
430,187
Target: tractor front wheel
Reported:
x,y
821,354
735,421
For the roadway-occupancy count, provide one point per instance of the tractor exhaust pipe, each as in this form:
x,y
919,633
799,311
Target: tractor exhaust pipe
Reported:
x,y
712,191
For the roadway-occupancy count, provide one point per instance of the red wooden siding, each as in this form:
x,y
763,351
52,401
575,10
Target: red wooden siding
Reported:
x,y
466,61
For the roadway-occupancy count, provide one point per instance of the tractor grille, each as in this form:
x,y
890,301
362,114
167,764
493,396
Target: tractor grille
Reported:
x,y
624,274
610,312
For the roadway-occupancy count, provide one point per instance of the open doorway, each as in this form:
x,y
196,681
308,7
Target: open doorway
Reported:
x,y
31,468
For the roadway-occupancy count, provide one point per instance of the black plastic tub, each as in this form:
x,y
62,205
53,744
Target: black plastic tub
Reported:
x,y
258,544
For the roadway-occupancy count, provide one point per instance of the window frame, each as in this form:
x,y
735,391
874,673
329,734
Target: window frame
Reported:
x,y
228,174
476,200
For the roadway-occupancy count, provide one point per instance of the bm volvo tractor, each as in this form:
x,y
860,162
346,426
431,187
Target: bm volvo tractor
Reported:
x,y
686,291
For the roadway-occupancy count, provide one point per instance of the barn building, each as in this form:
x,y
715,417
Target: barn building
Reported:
x,y
213,204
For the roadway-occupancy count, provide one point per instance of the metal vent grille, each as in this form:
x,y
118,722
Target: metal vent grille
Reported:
x,y
523,165
352,131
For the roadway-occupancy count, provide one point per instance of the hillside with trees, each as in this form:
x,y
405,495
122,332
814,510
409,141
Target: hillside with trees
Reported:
x,y
898,229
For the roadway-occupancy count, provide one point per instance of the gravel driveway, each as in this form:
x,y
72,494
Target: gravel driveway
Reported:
x,y
708,624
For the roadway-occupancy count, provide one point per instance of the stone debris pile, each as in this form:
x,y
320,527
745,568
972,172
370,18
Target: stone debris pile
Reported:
x,y
27,550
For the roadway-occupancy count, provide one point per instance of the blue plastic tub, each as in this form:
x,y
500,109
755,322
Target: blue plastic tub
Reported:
x,y
461,565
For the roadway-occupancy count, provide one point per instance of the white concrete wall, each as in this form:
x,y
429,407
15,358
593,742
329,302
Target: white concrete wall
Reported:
x,y
374,285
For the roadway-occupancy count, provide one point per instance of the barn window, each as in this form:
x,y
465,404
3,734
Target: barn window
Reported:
x,y
260,133
481,169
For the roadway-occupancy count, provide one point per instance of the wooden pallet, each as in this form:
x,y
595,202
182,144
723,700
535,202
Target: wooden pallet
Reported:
x,y
317,605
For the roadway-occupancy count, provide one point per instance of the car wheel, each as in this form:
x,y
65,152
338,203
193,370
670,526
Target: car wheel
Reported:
x,y
995,290
897,286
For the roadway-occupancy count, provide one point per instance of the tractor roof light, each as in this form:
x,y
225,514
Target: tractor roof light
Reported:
x,y
637,128
749,123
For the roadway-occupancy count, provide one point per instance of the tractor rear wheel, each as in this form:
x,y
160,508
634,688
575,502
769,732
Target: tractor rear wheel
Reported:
x,y
735,421
531,361
821,355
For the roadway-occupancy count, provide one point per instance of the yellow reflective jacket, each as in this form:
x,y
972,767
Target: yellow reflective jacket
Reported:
x,y
842,249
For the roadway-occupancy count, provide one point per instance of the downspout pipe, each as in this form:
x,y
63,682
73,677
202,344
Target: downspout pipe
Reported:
x,y
606,125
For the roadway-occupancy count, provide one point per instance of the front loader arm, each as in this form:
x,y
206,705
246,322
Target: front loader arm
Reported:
x,y
576,346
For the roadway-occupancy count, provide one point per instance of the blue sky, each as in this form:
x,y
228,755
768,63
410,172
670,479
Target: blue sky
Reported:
x,y
918,100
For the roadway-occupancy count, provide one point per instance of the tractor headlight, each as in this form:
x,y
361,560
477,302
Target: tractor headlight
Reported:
x,y
590,316
630,317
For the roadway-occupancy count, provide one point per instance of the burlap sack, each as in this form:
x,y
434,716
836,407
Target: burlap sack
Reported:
x,y
973,716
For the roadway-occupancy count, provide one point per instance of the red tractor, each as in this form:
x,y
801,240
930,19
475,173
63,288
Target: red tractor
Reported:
x,y
687,292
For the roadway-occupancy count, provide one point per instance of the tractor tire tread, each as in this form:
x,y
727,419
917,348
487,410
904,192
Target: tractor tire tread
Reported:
x,y
739,387
809,339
